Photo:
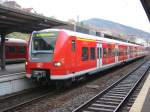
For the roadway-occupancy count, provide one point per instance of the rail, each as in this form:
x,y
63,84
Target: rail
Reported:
x,y
112,98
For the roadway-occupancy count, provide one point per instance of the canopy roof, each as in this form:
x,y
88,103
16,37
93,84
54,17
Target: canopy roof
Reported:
x,y
16,20
146,5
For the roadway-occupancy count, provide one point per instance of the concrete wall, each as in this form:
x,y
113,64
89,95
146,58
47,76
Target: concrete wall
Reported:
x,y
15,83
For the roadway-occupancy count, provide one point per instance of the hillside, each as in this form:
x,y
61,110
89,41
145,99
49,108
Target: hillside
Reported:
x,y
105,24
18,35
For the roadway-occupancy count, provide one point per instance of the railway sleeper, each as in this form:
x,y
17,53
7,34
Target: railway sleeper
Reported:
x,y
115,94
95,109
113,97
103,105
112,100
125,88
108,103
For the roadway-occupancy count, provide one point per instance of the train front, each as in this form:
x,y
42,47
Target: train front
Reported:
x,y
40,53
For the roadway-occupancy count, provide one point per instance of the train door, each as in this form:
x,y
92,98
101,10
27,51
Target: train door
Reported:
x,y
70,56
73,54
99,55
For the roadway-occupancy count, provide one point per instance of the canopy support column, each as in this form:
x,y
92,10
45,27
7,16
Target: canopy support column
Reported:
x,y
3,58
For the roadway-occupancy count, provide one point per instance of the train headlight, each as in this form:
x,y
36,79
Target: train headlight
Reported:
x,y
57,64
26,63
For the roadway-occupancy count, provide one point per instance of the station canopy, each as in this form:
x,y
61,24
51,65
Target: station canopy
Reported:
x,y
16,20
146,5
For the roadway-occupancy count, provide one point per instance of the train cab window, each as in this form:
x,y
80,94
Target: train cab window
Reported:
x,y
73,45
85,54
21,50
11,49
92,53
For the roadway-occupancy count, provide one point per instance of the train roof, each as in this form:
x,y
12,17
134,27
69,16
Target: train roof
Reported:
x,y
72,33
14,40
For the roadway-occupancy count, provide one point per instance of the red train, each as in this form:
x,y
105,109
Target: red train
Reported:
x,y
15,50
56,54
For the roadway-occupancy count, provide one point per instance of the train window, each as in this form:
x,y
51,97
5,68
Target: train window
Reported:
x,y
44,44
11,49
114,52
21,50
98,52
105,52
85,54
73,45
109,51
126,51
92,53
117,52
121,51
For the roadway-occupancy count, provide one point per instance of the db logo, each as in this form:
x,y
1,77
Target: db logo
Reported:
x,y
39,65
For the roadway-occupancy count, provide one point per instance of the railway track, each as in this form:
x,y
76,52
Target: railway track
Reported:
x,y
112,98
15,105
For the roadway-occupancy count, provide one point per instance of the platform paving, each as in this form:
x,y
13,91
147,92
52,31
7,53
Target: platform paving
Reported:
x,y
142,102
13,68
146,106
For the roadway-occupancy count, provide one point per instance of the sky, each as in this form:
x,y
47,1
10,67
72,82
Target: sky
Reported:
x,y
126,12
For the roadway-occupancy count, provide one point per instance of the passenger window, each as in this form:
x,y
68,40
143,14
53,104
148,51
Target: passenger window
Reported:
x,y
73,45
85,53
120,52
116,52
21,50
105,52
12,49
109,52
92,53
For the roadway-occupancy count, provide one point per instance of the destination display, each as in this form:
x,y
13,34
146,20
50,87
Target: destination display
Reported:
x,y
45,34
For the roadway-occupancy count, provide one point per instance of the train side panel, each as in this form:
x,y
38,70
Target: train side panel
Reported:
x,y
86,54
108,56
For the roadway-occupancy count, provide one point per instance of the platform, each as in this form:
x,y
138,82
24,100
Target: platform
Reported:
x,y
13,68
142,102
13,79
